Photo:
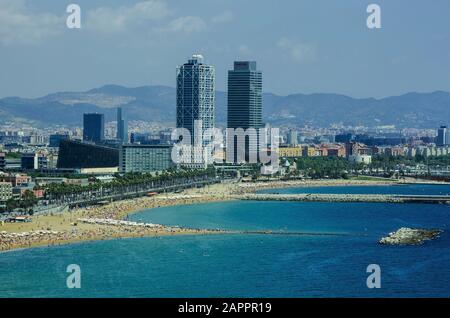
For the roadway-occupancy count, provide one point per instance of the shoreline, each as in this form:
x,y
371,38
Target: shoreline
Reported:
x,y
70,229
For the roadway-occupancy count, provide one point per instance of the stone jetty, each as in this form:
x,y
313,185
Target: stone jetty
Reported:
x,y
321,197
408,236
308,197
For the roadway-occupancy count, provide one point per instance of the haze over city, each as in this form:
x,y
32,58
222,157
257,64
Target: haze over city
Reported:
x,y
302,46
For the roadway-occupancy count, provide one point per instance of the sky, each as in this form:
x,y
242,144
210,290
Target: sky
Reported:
x,y
301,46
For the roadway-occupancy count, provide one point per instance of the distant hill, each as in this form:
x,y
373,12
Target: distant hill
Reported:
x,y
157,104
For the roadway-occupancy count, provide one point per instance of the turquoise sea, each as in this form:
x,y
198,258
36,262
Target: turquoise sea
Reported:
x,y
248,265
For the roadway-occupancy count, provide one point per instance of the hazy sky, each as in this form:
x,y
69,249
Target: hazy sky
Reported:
x,y
301,46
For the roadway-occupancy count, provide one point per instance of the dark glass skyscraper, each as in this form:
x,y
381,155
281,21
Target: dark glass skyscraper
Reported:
x,y
245,100
442,137
122,129
75,155
93,127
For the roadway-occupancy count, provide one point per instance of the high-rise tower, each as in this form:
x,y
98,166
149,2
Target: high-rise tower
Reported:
x,y
245,102
195,108
122,130
93,127
195,94
442,137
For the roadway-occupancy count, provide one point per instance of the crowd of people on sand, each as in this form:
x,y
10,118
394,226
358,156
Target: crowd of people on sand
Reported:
x,y
107,221
117,222
105,229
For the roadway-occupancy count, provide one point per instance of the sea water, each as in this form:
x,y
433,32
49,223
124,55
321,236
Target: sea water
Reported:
x,y
249,265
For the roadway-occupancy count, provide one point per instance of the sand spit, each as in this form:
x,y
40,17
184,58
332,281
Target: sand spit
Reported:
x,y
73,226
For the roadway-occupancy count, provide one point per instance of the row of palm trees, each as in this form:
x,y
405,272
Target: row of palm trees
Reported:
x,y
127,183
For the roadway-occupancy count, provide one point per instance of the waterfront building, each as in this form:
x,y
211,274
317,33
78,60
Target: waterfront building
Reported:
x,y
195,97
93,127
75,155
244,105
145,158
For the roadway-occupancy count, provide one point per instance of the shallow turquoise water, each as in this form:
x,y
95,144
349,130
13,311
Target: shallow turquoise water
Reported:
x,y
248,265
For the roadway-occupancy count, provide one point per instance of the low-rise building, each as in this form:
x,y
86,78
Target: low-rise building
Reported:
x,y
6,192
357,148
364,159
42,181
309,151
99,171
16,179
335,151
145,158
290,152
395,151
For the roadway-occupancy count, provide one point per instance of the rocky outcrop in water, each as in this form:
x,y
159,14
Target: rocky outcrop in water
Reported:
x,y
408,236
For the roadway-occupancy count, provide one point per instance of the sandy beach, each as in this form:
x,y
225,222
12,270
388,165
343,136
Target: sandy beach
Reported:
x,y
67,227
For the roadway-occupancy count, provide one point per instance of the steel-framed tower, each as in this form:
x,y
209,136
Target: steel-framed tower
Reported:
x,y
195,94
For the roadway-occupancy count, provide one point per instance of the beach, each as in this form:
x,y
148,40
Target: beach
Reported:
x,y
68,227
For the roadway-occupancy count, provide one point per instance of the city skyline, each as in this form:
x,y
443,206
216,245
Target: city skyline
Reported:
x,y
223,149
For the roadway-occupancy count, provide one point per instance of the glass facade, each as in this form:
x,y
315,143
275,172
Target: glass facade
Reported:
x,y
245,102
122,129
55,139
93,127
75,155
443,136
195,94
145,158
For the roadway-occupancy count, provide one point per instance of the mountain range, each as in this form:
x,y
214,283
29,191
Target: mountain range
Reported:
x,y
157,104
